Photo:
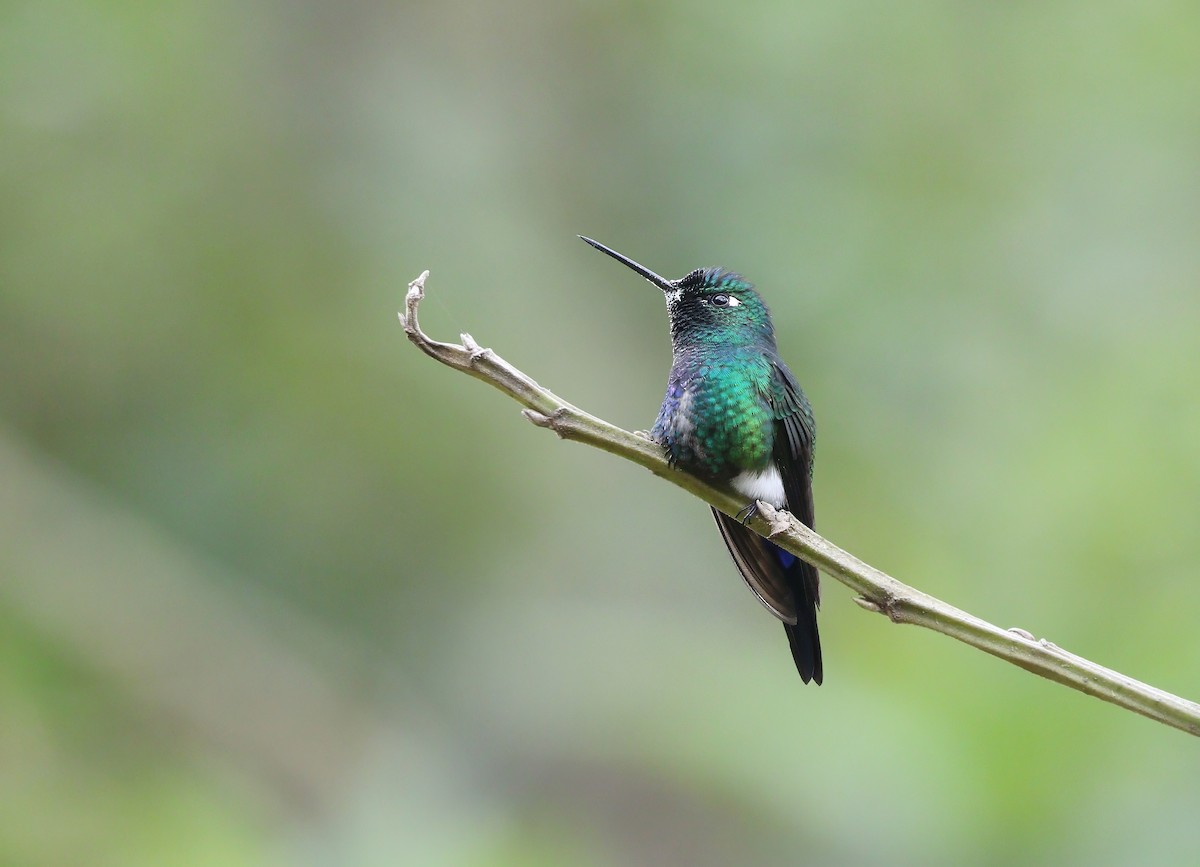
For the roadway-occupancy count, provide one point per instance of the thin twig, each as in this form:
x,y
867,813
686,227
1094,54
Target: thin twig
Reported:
x,y
877,591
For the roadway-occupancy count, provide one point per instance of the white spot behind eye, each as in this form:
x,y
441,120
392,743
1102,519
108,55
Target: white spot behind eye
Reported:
x,y
733,302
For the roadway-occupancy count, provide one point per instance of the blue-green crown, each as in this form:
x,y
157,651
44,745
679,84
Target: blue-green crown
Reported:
x,y
715,279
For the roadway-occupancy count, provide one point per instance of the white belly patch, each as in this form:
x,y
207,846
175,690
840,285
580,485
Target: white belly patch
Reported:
x,y
765,485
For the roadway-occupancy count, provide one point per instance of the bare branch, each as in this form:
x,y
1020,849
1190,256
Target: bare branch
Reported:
x,y
876,590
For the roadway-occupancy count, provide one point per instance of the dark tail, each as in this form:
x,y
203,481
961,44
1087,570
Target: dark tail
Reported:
x,y
803,638
785,584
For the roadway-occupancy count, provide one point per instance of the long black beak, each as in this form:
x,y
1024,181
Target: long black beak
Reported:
x,y
661,282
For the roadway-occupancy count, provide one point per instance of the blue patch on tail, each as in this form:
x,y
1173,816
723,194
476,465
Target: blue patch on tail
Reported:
x,y
786,558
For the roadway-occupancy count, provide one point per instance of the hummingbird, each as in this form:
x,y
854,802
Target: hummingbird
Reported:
x,y
734,414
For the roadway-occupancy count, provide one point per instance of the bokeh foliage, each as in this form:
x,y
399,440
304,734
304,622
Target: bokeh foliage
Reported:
x,y
276,589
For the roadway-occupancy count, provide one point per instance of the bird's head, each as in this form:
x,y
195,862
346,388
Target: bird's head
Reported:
x,y
707,306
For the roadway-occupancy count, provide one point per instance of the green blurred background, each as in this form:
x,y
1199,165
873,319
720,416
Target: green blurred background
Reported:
x,y
276,589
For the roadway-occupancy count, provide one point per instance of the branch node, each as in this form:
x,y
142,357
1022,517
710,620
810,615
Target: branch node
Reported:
x,y
552,421
780,520
868,604
476,351
893,607
537,418
1024,633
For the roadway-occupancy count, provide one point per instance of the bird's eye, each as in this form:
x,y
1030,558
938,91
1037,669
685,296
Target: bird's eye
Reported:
x,y
720,300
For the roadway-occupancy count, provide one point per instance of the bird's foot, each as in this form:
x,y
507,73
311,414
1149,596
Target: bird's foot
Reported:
x,y
745,515
642,434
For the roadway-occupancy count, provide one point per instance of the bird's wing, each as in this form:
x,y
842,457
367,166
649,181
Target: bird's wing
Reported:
x,y
785,584
761,568
795,435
